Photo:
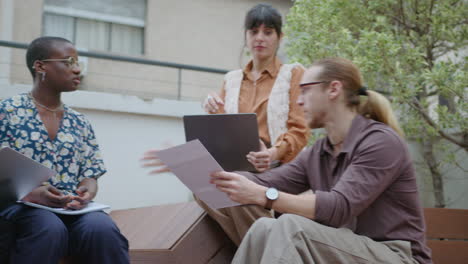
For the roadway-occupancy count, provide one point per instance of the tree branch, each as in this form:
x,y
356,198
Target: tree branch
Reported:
x,y
402,11
417,106
463,22
432,93
440,44
431,8
455,3
403,23
429,22
402,14
418,19
459,166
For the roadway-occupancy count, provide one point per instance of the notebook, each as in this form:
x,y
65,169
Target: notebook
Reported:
x,y
90,207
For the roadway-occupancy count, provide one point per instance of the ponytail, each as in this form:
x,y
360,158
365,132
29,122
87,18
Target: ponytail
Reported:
x,y
378,108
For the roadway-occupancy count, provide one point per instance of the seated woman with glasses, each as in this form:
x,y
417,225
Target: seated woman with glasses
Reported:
x,y
40,126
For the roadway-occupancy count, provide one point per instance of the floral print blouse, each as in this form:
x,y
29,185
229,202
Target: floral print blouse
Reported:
x,y
74,154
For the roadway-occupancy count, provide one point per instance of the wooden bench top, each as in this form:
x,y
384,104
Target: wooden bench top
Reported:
x,y
157,227
176,233
173,233
447,235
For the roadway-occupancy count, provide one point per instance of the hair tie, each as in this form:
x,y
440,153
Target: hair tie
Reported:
x,y
362,91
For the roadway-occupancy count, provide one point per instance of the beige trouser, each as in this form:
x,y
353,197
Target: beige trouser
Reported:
x,y
237,220
296,239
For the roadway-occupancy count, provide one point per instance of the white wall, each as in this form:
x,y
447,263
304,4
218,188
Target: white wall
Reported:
x,y
123,139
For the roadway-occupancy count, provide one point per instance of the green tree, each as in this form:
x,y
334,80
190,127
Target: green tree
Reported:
x,y
415,51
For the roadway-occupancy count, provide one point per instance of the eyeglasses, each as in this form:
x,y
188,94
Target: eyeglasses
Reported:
x,y
304,87
70,62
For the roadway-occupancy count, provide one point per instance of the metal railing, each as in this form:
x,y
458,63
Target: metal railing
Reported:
x,y
113,57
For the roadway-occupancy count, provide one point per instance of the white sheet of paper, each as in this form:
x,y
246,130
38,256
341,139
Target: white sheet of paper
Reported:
x,y
91,207
193,164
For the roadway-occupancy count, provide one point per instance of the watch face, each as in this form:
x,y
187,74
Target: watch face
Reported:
x,y
272,194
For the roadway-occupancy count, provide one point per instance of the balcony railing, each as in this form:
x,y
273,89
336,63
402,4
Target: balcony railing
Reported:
x,y
136,60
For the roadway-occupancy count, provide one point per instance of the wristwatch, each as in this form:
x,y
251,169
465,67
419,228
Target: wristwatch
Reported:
x,y
271,195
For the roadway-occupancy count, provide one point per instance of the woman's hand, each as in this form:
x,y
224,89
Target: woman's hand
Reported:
x,y
81,200
239,188
86,191
49,196
212,103
150,159
263,158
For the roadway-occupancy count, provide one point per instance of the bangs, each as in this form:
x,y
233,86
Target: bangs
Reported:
x,y
257,21
265,15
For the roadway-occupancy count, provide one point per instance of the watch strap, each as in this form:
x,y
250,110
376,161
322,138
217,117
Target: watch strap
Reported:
x,y
269,204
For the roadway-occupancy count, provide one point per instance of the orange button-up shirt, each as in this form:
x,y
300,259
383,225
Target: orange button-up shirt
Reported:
x,y
253,98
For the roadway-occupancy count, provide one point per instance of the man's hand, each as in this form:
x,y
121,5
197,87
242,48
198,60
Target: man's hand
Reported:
x,y
49,196
263,158
239,188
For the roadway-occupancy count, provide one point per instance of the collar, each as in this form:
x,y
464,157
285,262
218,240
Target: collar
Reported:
x,y
272,69
357,126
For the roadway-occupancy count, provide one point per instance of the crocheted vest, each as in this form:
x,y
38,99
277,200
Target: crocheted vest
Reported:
x,y
278,101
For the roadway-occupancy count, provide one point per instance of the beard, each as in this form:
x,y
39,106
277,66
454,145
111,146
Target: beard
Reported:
x,y
316,120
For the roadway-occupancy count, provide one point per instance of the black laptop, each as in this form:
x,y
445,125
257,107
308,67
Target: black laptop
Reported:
x,y
228,137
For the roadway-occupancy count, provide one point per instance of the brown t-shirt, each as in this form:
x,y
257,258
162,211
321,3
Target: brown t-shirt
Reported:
x,y
253,98
369,186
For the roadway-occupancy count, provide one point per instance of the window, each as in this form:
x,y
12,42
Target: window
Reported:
x,y
106,25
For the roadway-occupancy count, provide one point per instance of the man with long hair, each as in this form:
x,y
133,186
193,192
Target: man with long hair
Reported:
x,y
364,207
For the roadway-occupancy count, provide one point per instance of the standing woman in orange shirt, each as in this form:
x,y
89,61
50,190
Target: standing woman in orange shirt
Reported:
x,y
265,87
268,88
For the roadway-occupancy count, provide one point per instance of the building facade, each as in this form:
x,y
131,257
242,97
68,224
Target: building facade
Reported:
x,y
133,107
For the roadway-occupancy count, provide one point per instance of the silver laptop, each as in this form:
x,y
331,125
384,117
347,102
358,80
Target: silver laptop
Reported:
x,y
19,175
228,137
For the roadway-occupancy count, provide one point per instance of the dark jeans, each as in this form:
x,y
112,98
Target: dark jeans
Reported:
x,y
44,237
7,235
